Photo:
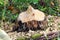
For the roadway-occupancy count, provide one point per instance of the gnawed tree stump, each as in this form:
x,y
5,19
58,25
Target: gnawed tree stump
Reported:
x,y
31,19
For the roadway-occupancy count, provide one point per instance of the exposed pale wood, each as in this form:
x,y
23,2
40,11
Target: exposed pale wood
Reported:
x,y
31,14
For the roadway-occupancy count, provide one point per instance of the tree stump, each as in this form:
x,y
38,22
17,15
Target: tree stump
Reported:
x,y
31,19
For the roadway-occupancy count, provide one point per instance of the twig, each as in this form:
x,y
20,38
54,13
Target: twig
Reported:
x,y
49,36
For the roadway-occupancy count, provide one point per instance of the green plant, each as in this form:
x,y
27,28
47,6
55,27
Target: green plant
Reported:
x,y
50,7
1,2
35,36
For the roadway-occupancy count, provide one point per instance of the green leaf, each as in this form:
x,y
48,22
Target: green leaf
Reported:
x,y
2,2
34,1
36,36
51,11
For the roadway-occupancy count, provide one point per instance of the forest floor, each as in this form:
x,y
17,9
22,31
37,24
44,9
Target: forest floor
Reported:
x,y
53,26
